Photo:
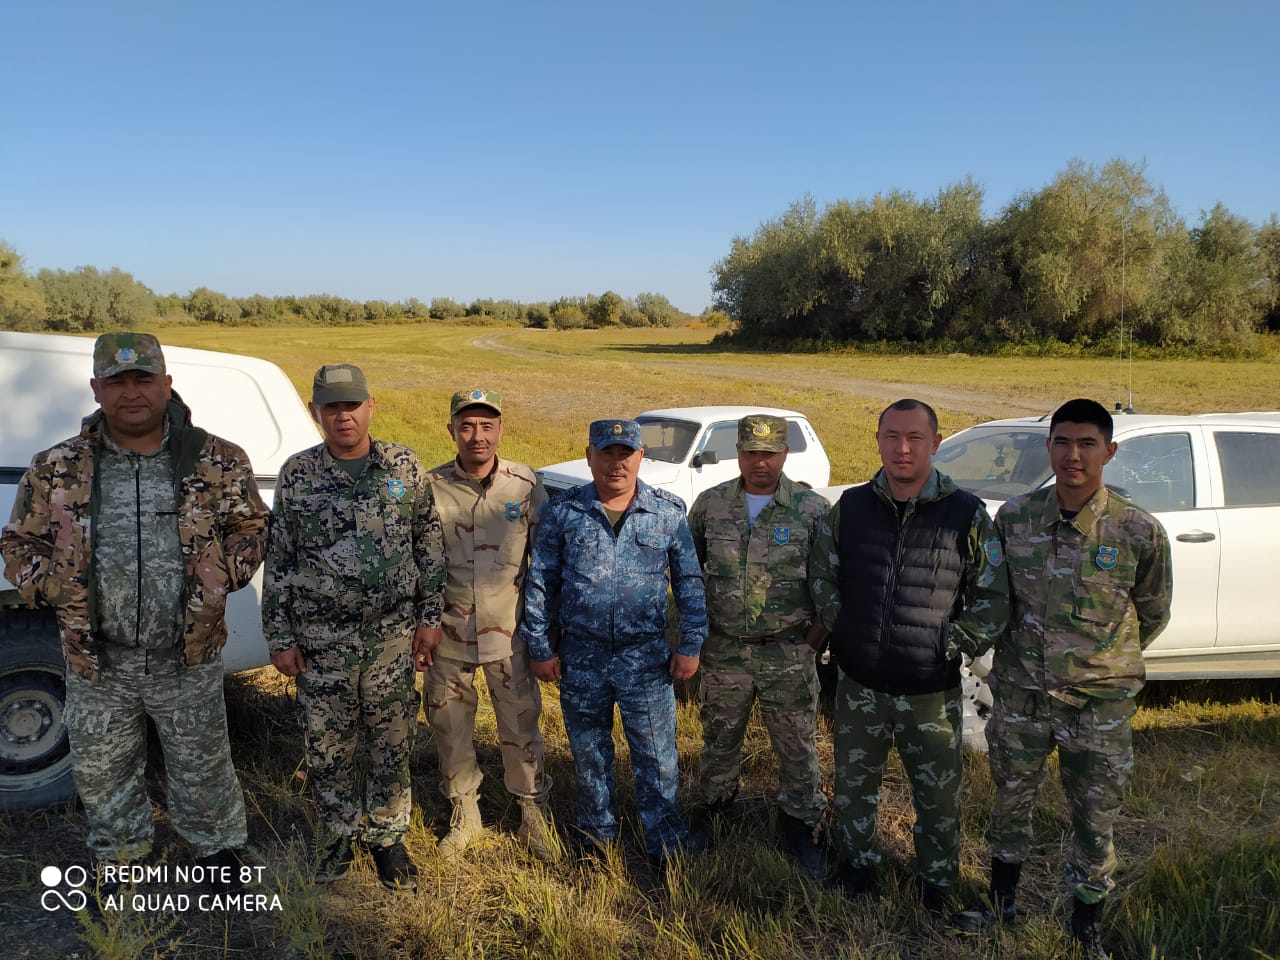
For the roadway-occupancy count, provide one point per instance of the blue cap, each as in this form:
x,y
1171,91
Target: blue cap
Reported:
x,y
605,433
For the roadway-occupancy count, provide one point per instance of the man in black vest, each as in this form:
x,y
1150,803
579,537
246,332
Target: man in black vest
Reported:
x,y
907,573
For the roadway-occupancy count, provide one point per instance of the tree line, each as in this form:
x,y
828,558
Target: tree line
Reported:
x,y
90,300
1094,249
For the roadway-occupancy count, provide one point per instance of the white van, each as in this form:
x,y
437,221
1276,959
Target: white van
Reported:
x,y
44,394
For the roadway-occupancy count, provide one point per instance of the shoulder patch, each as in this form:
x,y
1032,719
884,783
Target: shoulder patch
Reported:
x,y
994,551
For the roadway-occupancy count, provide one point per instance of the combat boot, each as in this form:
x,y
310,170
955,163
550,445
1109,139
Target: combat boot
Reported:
x,y
1004,885
395,870
801,844
1084,930
536,830
464,826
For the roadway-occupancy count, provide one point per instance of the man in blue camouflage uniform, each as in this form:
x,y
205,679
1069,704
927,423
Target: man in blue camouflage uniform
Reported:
x,y
907,574
753,535
352,592
602,557
135,531
1092,582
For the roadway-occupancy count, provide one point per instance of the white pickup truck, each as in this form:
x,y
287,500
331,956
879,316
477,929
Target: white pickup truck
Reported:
x,y
691,449
45,381
1212,480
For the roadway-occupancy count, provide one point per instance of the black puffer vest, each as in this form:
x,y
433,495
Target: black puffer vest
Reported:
x,y
900,586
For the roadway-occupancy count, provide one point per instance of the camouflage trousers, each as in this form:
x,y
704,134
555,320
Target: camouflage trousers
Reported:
x,y
782,675
638,682
1095,762
106,725
926,729
451,702
361,687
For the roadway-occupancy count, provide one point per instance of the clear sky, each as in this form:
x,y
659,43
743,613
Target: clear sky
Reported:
x,y
533,150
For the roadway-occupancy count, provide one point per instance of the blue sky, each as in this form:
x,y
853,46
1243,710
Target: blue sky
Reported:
x,y
527,150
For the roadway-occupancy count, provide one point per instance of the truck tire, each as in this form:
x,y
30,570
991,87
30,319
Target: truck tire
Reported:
x,y
35,757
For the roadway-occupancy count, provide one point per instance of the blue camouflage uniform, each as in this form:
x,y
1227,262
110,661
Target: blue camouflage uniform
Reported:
x,y
607,594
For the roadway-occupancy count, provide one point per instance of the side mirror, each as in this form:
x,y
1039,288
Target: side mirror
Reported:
x,y
705,458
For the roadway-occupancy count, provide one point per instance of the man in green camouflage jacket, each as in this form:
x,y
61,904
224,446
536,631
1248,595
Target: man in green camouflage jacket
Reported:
x,y
352,591
752,535
134,532
489,509
1091,580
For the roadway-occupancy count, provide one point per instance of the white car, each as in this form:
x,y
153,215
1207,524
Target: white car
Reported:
x,y
44,393
691,449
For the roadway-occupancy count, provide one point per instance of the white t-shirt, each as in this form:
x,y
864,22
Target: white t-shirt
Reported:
x,y
755,503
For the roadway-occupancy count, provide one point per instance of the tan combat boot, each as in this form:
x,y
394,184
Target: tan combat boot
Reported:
x,y
536,830
464,826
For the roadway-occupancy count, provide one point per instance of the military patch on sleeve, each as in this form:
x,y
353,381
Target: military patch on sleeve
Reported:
x,y
395,487
1107,557
513,512
782,536
994,550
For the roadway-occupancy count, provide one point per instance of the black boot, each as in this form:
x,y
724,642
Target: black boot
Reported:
x,y
800,842
852,881
1084,930
1004,884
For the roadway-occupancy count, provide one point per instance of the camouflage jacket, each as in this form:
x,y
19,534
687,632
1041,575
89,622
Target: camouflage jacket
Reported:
x,y
1088,595
611,591
487,529
344,551
222,525
757,575
984,609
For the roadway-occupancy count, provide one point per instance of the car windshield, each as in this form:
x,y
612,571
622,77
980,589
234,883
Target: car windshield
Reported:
x,y
667,439
996,463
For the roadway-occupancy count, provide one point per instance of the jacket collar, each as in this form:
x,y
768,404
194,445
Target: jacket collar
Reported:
x,y
1084,521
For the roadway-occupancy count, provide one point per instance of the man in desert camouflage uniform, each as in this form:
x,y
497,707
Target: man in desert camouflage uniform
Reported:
x,y
1091,579
352,592
752,535
135,531
488,508
907,574
602,558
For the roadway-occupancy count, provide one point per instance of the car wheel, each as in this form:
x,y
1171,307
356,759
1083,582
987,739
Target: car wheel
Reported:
x,y
35,757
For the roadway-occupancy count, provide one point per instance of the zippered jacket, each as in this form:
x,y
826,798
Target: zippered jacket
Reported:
x,y
904,593
222,527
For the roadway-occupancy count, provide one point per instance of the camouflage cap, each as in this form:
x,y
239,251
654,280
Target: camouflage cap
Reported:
x,y
475,398
117,352
760,432
339,383
605,433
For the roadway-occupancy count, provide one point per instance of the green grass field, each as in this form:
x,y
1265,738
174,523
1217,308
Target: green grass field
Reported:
x,y
1199,835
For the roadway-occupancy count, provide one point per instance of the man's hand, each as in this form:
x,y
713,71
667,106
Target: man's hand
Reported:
x,y
548,671
816,635
682,667
289,662
425,641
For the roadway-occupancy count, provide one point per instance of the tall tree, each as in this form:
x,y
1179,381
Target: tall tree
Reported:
x,y
22,304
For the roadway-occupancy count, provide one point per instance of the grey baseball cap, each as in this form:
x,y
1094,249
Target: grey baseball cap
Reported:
x,y
339,383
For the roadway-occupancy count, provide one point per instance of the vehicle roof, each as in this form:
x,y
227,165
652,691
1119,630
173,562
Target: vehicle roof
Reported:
x,y
1127,422
247,400
716,414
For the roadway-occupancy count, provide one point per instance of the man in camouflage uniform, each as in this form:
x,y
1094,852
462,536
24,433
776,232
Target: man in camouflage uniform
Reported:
x,y
752,535
488,508
352,592
1091,580
135,531
602,557
907,574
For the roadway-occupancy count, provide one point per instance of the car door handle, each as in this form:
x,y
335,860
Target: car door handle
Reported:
x,y
1196,536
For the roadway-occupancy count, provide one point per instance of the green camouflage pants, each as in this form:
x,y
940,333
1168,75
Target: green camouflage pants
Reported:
x,y
106,725
926,729
517,704
363,685
1095,762
781,673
